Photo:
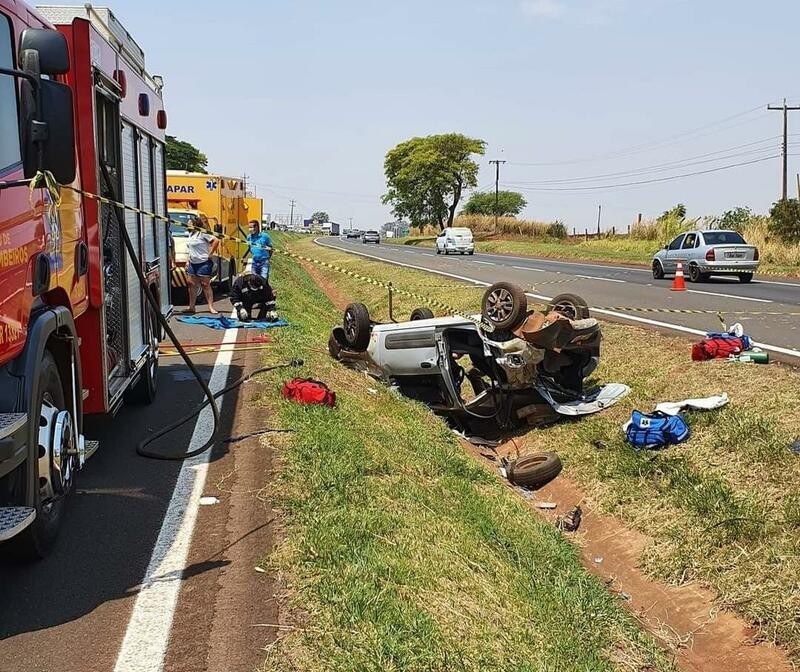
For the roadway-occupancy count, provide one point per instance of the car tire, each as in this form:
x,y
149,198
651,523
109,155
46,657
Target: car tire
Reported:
x,y
694,273
570,306
421,314
504,305
535,470
462,254
334,349
471,253
146,388
438,251
745,277
356,326
658,270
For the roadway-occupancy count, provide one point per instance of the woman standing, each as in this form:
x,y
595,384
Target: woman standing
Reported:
x,y
201,247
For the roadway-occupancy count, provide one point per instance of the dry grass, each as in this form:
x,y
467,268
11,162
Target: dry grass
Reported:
x,y
723,508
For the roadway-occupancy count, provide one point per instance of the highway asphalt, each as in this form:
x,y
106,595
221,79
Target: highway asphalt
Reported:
x,y
769,309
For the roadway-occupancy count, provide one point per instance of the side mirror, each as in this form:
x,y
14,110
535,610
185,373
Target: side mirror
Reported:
x,y
666,247
51,47
49,141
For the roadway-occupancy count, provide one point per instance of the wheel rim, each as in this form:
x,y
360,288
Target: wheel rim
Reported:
x,y
350,326
56,452
566,309
499,305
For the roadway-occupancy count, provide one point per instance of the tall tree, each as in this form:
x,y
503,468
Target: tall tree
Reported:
x,y
182,155
509,203
426,177
321,217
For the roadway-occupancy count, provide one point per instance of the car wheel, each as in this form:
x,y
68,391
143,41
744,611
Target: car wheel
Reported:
x,y
745,277
504,305
438,251
462,254
421,314
144,392
658,270
534,471
356,326
471,253
334,349
694,273
570,306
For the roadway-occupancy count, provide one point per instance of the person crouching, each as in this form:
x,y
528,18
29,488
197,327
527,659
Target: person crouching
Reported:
x,y
251,291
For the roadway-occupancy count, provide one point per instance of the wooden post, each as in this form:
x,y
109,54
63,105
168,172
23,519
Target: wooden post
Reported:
x,y
629,230
586,233
613,231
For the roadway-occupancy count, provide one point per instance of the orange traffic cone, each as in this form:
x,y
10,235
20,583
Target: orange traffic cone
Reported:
x,y
678,284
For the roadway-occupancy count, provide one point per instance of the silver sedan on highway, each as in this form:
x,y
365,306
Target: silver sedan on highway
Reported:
x,y
707,253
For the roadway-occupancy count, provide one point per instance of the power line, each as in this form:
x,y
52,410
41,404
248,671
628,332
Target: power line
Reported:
x,y
657,144
654,180
723,155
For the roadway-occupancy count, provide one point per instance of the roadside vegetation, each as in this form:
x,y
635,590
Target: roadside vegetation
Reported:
x,y
722,509
401,552
526,237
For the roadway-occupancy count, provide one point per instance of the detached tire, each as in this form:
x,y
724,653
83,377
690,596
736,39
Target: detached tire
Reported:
x,y
504,305
534,471
356,326
570,306
334,349
421,314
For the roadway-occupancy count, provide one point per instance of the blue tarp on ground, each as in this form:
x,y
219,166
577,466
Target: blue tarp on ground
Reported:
x,y
223,322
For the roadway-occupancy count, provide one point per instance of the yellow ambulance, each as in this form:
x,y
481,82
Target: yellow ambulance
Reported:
x,y
222,202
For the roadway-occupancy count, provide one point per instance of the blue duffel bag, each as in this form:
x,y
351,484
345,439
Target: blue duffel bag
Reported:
x,y
656,430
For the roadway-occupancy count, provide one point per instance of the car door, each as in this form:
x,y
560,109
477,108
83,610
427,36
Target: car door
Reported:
x,y
440,241
673,253
688,248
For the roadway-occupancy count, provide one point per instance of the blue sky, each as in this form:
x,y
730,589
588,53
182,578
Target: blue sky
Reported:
x,y
307,97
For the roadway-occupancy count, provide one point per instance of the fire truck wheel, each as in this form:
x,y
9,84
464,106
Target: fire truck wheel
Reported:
x,y
50,490
144,392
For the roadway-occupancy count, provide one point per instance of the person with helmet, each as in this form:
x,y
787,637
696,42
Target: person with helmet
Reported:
x,y
250,291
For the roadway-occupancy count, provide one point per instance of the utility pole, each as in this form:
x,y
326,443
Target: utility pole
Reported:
x,y
784,149
291,216
497,163
599,211
351,223
798,186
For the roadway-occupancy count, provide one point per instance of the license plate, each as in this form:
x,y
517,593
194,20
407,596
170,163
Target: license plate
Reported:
x,y
734,255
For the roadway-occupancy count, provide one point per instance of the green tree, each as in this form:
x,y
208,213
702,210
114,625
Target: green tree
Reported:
x,y
426,177
321,217
736,219
182,155
784,220
678,212
509,203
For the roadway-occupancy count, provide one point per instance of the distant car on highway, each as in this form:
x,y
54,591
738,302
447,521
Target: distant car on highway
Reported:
x,y
707,253
352,234
371,237
456,239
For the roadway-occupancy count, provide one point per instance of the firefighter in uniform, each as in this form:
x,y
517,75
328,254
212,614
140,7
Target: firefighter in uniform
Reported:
x,y
250,291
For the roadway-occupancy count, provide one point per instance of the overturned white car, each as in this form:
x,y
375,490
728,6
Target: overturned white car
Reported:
x,y
505,368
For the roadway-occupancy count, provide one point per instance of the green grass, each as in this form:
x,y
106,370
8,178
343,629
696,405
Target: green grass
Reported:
x,y
403,553
723,509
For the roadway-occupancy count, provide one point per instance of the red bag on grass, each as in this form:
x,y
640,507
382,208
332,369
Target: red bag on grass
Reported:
x,y
308,391
717,348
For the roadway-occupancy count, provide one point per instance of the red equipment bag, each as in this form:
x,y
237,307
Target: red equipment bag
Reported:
x,y
717,348
308,391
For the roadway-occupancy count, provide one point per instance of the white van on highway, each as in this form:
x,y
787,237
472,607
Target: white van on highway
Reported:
x,y
455,239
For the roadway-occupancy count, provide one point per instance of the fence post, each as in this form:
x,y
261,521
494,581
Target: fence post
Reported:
x,y
613,231
586,233
629,230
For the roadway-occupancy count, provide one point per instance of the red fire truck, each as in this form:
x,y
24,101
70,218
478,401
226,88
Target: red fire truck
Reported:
x,y
76,334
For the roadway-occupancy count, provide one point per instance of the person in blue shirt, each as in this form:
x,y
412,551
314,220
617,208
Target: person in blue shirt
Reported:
x,y
259,242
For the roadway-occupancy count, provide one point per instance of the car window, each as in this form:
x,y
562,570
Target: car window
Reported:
x,y
9,122
723,238
689,241
676,244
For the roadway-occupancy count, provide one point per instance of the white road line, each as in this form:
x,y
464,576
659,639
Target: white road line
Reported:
x,y
593,277
486,263
633,318
147,635
526,268
729,296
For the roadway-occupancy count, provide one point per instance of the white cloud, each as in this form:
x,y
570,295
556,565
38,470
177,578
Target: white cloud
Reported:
x,y
548,9
591,12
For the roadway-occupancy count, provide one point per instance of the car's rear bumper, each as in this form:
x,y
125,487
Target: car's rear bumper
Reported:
x,y
728,266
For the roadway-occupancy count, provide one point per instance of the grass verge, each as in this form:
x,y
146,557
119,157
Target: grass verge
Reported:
x,y
402,553
723,509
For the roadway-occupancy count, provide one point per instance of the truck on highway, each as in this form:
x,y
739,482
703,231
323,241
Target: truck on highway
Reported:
x,y
223,202
77,336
